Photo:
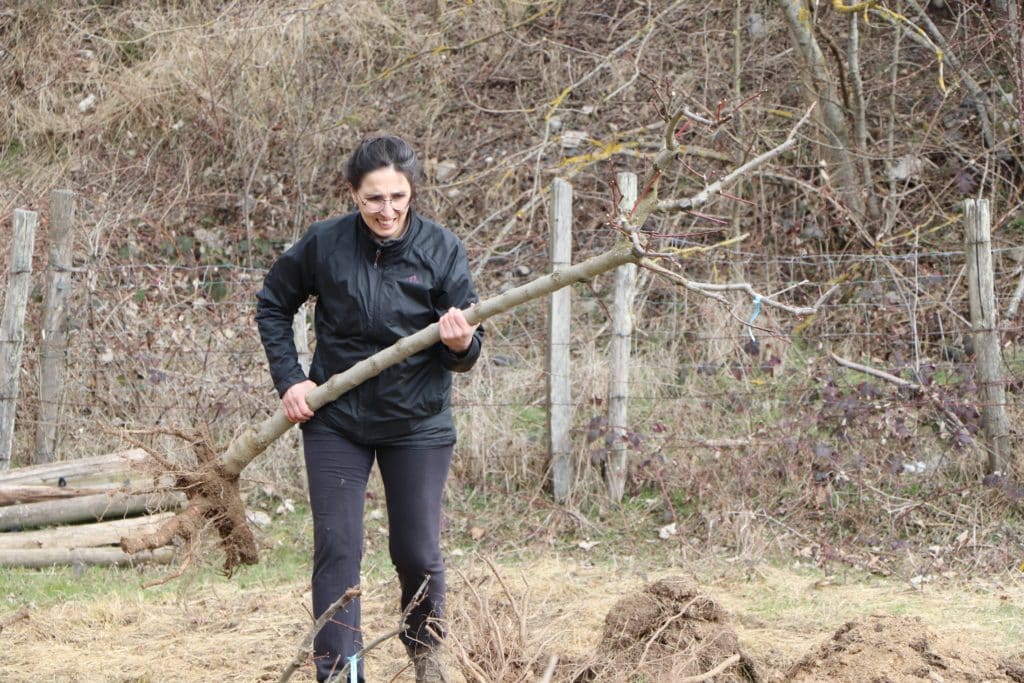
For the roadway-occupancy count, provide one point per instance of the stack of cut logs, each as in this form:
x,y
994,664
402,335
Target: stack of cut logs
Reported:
x,y
76,512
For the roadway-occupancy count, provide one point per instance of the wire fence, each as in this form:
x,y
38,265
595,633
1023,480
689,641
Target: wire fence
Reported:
x,y
156,346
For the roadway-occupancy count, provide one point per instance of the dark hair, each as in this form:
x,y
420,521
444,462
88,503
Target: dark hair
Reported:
x,y
382,151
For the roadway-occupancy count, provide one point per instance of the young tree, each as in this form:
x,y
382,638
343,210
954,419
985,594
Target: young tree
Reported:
x,y
212,488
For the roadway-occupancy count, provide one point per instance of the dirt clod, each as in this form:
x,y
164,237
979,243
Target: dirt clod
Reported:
x,y
668,631
889,648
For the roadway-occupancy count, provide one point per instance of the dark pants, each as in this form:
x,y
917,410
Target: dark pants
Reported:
x,y
413,484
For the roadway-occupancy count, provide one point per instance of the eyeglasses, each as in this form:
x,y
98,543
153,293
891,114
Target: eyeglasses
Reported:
x,y
376,204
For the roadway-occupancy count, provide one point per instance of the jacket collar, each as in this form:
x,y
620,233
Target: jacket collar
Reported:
x,y
388,248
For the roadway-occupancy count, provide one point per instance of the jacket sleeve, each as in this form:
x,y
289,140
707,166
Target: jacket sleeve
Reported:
x,y
287,285
458,291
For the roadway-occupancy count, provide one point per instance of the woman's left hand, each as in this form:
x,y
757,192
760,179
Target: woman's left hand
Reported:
x,y
456,333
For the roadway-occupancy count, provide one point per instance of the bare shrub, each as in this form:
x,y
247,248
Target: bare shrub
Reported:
x,y
494,636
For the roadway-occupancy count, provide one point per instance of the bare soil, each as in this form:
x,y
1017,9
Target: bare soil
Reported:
x,y
787,625
882,648
669,630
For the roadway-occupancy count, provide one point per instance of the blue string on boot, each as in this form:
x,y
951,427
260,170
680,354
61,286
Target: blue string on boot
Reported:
x,y
353,669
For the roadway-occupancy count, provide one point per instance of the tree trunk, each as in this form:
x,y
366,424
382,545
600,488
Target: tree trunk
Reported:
x,y
252,442
47,557
76,472
212,488
86,508
82,535
15,495
842,167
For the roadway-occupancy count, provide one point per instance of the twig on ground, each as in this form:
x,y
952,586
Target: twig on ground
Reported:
x,y
520,616
417,598
661,629
549,672
726,663
306,646
880,374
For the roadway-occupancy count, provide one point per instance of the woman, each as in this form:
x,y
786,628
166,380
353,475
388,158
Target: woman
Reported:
x,y
380,273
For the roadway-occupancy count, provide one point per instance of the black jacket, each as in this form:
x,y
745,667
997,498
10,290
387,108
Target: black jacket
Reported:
x,y
369,295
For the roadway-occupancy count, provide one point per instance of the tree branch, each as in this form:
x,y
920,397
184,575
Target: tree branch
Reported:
x,y
716,187
376,642
950,416
306,646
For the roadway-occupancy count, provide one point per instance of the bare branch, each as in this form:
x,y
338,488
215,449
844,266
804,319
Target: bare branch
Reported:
x,y
307,641
707,676
950,416
376,642
549,672
725,181
708,289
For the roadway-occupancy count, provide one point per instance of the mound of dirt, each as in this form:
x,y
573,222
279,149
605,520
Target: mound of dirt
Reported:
x,y
667,632
890,649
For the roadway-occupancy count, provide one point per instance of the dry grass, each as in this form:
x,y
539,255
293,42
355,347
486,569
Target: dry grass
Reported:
x,y
219,632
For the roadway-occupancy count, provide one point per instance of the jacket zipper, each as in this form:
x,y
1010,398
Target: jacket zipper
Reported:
x,y
374,305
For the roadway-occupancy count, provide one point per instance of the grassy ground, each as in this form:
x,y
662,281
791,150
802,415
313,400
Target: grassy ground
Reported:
x,y
99,624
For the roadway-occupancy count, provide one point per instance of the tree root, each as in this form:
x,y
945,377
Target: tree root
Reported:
x,y
214,499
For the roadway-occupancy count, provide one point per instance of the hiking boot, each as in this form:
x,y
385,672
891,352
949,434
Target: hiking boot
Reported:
x,y
428,665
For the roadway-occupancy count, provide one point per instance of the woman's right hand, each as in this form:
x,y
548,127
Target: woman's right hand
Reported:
x,y
295,407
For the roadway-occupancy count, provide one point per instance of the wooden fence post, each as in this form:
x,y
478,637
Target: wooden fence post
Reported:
x,y
618,378
981,290
53,346
12,326
559,375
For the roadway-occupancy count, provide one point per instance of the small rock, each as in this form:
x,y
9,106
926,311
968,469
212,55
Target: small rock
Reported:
x,y
906,167
258,518
87,104
445,171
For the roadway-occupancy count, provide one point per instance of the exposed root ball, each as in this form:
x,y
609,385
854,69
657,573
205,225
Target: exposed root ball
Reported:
x,y
888,648
213,498
669,631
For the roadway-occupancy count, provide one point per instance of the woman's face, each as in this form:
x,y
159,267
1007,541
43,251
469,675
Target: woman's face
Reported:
x,y
383,199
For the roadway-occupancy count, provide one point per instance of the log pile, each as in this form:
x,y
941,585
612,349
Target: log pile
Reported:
x,y
77,512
